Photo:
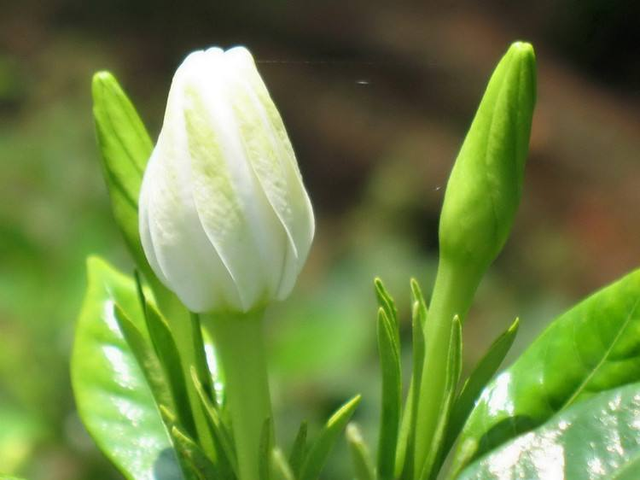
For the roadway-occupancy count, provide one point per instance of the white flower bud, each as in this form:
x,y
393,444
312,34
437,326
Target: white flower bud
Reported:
x,y
225,220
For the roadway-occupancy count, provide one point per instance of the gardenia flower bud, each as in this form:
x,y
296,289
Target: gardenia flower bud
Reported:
x,y
485,186
225,220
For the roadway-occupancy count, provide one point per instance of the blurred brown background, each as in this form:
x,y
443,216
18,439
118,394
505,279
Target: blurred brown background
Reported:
x,y
377,97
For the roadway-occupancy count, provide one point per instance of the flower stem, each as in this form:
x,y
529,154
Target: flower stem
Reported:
x,y
452,295
239,343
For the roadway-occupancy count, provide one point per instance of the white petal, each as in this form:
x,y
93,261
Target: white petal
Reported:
x,y
273,161
184,253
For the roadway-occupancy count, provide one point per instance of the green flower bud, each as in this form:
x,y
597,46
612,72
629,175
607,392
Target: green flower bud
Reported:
x,y
485,185
480,203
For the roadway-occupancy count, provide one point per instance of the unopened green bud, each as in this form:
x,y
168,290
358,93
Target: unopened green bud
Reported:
x,y
485,186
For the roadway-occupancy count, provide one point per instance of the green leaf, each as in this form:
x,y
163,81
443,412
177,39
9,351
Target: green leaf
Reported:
x,y
481,375
113,397
126,147
388,347
598,439
435,456
406,439
299,449
360,458
317,456
593,347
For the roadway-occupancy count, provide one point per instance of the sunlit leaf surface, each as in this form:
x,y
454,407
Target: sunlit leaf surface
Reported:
x,y
593,347
598,439
114,400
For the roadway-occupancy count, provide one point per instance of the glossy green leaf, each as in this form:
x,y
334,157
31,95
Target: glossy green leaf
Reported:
x,y
480,376
319,451
598,439
593,347
360,457
113,397
299,449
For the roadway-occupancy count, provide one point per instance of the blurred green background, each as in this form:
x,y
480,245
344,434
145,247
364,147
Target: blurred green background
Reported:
x,y
376,97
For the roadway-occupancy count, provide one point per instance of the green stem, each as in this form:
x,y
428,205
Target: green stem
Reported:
x,y
240,347
452,295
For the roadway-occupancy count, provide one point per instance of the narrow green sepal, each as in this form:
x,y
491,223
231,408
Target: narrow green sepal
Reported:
x,y
221,435
280,468
360,457
299,449
199,466
479,378
386,302
266,446
391,396
319,451
406,439
146,358
167,353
